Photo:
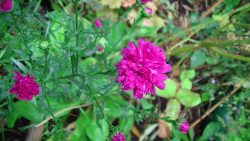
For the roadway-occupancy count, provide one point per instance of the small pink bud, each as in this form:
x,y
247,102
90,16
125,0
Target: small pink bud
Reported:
x,y
118,137
6,5
184,127
97,23
99,49
149,11
145,1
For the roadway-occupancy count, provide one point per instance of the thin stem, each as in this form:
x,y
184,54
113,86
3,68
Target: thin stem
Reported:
x,y
237,87
212,46
229,55
22,37
76,33
58,113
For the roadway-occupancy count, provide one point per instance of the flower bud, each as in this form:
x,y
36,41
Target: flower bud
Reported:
x,y
98,23
184,127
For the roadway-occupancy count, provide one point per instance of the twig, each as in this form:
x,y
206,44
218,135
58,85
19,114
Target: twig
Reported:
x,y
237,87
211,9
60,112
35,134
136,132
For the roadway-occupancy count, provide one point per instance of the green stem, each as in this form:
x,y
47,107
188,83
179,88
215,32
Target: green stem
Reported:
x,y
214,43
22,37
44,83
229,55
45,64
211,45
77,36
75,57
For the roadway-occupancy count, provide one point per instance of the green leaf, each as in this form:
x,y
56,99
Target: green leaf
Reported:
x,y
94,132
20,65
173,109
145,104
116,33
186,84
146,32
11,118
2,52
209,131
24,109
188,98
29,111
169,91
81,125
187,74
104,128
205,97
198,58
126,121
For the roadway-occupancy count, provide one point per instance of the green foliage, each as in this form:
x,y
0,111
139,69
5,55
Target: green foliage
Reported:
x,y
210,131
187,74
57,44
173,109
198,58
188,98
170,89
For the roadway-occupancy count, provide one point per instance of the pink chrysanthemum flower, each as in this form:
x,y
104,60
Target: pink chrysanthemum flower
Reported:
x,y
6,5
97,23
118,137
25,87
142,68
145,1
184,127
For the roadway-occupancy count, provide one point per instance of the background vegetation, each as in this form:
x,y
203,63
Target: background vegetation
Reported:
x,y
206,42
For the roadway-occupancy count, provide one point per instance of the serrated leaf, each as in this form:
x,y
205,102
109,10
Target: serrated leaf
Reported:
x,y
188,98
173,109
187,74
186,84
169,91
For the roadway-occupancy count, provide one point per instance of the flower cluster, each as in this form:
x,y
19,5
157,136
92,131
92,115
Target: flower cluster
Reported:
x,y
118,137
142,68
25,87
6,5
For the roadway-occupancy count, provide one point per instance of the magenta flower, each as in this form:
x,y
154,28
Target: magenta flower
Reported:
x,y
97,23
142,68
149,11
145,1
118,137
184,127
25,87
99,48
6,5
